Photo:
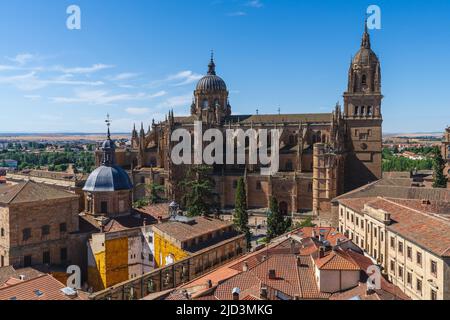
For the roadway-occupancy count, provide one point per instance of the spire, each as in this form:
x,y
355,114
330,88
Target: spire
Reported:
x,y
108,124
108,147
212,65
365,43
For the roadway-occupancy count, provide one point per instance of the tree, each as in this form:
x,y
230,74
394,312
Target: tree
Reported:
x,y
440,181
240,218
140,203
276,224
308,223
155,191
197,187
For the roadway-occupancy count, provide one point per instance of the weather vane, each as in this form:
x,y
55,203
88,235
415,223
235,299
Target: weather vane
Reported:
x,y
108,120
108,123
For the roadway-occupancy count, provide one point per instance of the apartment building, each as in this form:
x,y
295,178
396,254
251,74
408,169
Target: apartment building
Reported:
x,y
410,239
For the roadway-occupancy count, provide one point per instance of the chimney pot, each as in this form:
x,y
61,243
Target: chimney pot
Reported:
x,y
321,252
272,274
236,292
263,293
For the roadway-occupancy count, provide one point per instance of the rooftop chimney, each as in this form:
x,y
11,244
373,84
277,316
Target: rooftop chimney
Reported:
x,y
321,252
245,266
209,284
272,274
321,238
263,293
236,292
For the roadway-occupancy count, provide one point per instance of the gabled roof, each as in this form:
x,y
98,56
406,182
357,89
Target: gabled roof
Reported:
x,y
41,288
337,260
30,191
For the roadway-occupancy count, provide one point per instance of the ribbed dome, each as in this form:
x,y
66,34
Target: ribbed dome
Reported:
x,y
108,144
365,57
211,83
108,179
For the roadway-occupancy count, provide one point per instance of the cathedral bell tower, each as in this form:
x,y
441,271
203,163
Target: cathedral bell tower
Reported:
x,y
362,113
210,103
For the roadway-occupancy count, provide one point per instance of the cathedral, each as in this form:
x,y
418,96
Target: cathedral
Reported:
x,y
322,155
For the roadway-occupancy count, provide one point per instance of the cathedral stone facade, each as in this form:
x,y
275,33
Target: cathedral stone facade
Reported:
x,y
321,155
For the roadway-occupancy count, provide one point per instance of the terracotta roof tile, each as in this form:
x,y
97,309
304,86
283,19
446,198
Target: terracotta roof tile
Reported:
x,y
337,260
183,232
29,191
428,231
41,288
308,284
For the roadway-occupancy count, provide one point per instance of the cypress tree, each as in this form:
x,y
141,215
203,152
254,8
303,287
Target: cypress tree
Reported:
x,y
440,181
240,218
276,224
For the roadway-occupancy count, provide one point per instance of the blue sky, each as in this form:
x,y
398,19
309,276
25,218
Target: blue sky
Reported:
x,y
136,59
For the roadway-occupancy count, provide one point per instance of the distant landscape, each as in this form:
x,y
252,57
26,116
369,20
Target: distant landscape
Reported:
x,y
59,136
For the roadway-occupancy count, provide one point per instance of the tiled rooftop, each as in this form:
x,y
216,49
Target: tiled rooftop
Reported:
x,y
29,191
184,231
423,224
44,287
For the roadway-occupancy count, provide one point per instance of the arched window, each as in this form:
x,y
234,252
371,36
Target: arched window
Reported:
x,y
356,111
369,110
363,110
216,103
205,104
364,80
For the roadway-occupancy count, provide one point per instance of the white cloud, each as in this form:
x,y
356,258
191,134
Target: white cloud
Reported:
x,y
31,81
33,97
255,4
84,70
181,78
177,101
137,111
7,68
237,14
22,58
102,97
124,76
